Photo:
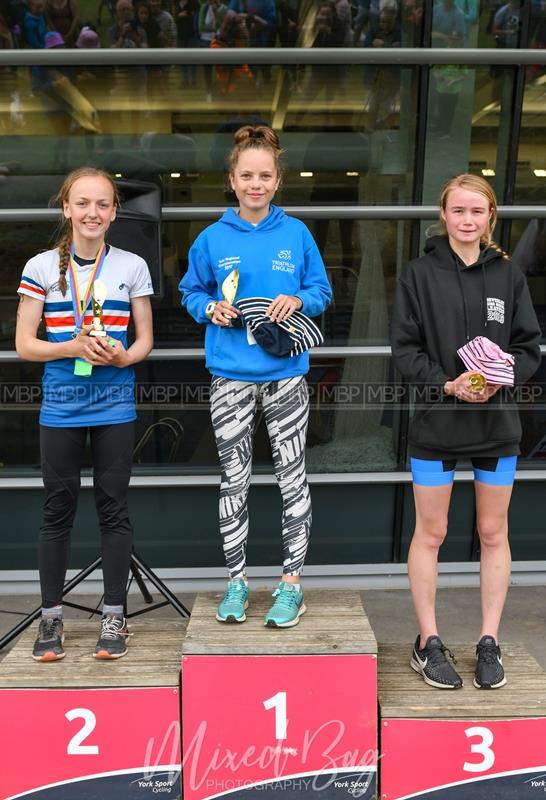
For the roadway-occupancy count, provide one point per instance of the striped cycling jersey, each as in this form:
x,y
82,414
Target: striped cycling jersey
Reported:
x,y
107,396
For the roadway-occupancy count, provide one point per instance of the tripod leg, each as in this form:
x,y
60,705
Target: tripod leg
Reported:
x,y
160,586
29,619
20,627
140,583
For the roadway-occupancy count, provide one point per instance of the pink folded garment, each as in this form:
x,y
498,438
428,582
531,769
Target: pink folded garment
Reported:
x,y
486,357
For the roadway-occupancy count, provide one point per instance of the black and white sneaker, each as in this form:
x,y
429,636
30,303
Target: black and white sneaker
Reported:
x,y
489,670
433,665
113,636
49,643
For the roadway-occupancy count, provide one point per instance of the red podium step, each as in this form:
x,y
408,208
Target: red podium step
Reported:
x,y
280,710
464,744
79,729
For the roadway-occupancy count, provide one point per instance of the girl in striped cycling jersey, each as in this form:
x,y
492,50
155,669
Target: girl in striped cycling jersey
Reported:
x,y
88,388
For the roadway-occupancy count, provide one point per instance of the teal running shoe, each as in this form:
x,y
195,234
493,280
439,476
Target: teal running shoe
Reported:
x,y
234,603
288,607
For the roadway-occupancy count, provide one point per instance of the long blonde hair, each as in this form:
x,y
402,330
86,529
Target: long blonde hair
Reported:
x,y
473,183
64,238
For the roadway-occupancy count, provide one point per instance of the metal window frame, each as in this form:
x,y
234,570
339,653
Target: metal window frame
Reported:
x,y
424,57
403,56
205,213
184,481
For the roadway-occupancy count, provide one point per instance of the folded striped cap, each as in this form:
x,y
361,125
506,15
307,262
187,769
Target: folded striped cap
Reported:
x,y
290,337
483,355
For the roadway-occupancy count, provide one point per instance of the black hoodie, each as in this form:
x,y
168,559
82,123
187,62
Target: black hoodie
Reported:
x,y
441,304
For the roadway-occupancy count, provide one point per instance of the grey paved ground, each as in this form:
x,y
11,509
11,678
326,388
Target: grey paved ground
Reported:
x,y
391,615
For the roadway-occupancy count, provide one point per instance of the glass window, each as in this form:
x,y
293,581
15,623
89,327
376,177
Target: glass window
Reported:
x,y
528,249
352,426
362,258
468,125
348,131
531,175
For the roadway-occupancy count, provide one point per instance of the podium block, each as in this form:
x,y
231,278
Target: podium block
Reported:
x,y
79,729
282,711
463,744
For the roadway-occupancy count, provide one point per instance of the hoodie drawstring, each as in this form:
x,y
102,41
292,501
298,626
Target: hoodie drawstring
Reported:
x,y
465,307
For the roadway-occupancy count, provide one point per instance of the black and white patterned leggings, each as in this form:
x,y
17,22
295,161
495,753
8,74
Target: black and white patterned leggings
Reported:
x,y
286,410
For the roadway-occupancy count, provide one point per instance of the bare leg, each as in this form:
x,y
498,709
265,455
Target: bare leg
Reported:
x,y
431,509
492,515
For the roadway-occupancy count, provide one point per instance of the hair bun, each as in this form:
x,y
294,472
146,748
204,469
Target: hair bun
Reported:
x,y
258,133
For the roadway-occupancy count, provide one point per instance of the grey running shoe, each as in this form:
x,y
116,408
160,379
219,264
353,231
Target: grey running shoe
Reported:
x,y
489,670
49,644
112,641
433,665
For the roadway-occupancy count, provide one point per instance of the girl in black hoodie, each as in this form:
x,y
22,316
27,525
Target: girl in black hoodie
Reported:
x,y
464,286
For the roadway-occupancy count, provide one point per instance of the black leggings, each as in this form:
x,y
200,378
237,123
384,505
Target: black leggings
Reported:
x,y
62,454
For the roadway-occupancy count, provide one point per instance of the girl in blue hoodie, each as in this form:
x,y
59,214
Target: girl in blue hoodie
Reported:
x,y
274,257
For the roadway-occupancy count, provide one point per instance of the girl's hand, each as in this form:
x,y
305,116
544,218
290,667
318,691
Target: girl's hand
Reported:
x,y
97,350
459,389
223,313
283,306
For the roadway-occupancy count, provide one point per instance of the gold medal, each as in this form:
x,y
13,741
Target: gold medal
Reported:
x,y
476,382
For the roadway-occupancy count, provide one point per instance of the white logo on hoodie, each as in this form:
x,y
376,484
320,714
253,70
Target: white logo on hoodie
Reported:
x,y
229,262
495,310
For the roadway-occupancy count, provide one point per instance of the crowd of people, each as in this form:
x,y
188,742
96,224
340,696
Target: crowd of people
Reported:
x,y
263,23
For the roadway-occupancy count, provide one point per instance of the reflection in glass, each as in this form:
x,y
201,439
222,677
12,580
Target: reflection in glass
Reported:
x,y
148,123
362,259
531,175
352,426
528,249
468,128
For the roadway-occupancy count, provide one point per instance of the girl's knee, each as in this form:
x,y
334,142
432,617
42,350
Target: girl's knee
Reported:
x,y
431,533
493,532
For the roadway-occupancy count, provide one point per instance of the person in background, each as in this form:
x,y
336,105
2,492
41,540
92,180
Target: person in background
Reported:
x,y
328,33
344,15
506,25
149,25
126,32
288,28
187,14
166,23
35,25
62,16
383,81
7,41
211,16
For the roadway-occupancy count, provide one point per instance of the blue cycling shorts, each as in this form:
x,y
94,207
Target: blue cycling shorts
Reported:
x,y
497,471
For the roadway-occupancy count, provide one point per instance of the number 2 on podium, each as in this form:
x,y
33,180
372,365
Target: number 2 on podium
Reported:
x,y
278,702
75,746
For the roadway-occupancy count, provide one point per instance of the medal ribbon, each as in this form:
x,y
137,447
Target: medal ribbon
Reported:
x,y
80,305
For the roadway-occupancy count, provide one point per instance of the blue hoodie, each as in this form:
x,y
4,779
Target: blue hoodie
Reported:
x,y
277,256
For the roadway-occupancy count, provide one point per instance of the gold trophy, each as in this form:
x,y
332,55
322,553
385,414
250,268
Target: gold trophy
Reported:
x,y
97,301
229,292
476,382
